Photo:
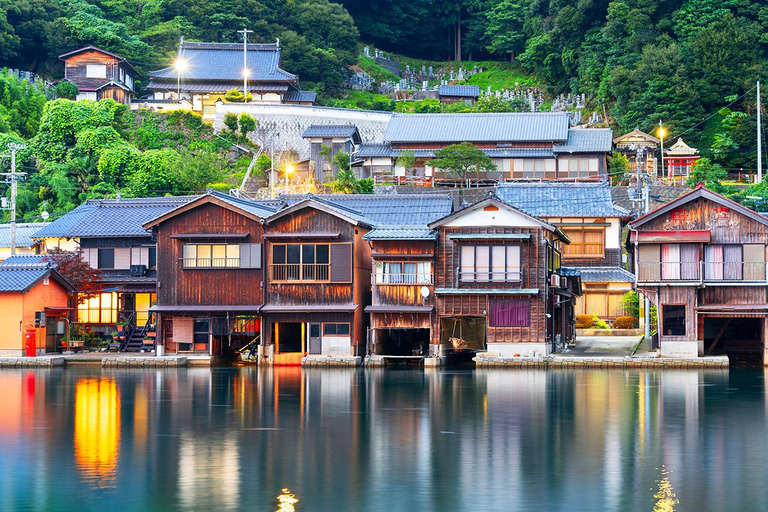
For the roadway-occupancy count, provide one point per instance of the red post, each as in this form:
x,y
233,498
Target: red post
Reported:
x,y
30,342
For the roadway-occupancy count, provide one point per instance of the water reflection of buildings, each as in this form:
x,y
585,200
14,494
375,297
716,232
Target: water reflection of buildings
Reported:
x,y
97,430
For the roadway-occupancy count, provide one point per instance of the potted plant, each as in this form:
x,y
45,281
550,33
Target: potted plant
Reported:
x,y
121,326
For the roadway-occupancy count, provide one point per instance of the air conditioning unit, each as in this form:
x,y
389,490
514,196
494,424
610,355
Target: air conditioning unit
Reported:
x,y
564,283
138,270
554,281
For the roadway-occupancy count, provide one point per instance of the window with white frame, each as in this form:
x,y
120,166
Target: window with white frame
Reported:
x,y
210,256
577,168
404,272
96,71
490,263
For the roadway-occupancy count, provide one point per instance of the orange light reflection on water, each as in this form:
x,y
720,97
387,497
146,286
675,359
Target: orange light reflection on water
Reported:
x,y
97,430
286,501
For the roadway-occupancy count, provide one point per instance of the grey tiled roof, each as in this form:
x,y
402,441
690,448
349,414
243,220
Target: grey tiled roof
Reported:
x,y
606,275
385,151
556,199
519,127
260,209
224,62
401,233
570,271
25,260
330,130
111,217
303,96
17,279
24,232
459,90
587,140
384,210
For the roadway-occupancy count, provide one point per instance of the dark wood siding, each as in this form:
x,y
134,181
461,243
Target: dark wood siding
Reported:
x,y
231,286
341,263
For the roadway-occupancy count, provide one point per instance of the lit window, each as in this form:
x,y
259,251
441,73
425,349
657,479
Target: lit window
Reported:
x,y
404,272
209,256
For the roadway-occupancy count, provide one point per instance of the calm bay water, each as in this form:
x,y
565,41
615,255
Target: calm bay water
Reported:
x,y
234,439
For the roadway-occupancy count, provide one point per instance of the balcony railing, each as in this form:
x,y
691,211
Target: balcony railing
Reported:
x,y
490,275
210,263
702,271
288,272
583,250
410,278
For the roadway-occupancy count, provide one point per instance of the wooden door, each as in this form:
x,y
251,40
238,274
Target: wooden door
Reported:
x,y
315,340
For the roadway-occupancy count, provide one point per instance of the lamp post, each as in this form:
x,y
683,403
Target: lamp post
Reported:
x,y
246,73
661,133
180,66
288,171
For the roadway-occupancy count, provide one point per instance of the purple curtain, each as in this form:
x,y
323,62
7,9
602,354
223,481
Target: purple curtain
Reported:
x,y
510,313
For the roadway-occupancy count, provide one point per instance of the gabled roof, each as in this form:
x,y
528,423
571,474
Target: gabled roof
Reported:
x,y
492,200
636,135
111,217
252,209
26,260
350,215
377,150
586,140
468,91
91,48
348,131
509,127
681,148
560,199
699,192
23,279
224,62
24,232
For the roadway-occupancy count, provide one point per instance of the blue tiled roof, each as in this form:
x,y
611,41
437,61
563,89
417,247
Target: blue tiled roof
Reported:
x,y
258,208
330,131
509,127
24,232
18,279
374,150
224,62
606,275
459,90
561,199
111,217
587,140
401,233
300,96
25,260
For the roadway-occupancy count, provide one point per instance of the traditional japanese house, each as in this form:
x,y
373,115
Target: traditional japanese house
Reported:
x,y
402,309
25,244
586,213
100,74
204,72
108,234
32,297
640,149
679,160
701,260
325,141
522,146
448,93
210,288
498,282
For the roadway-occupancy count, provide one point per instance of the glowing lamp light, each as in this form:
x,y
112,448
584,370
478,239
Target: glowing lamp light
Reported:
x,y
180,65
289,169
662,132
246,72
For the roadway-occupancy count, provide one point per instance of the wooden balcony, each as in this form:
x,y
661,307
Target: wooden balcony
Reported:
x,y
584,250
701,272
304,272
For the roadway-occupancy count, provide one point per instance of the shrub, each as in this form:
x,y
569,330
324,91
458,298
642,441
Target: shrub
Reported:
x,y
66,89
602,324
235,96
230,121
625,322
247,123
584,321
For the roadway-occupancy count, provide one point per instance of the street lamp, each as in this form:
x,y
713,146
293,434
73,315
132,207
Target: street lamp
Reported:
x,y
661,133
246,74
180,66
288,171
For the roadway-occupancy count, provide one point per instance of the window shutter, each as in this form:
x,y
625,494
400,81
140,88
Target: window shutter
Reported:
x,y
123,258
341,263
250,255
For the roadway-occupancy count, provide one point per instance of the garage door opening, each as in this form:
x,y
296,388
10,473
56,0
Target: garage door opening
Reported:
x,y
402,342
741,339
288,338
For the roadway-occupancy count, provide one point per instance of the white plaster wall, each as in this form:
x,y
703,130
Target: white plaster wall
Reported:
x,y
524,349
613,234
501,217
685,349
339,346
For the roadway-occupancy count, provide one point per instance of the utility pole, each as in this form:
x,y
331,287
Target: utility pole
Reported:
x,y
759,137
13,177
245,33
647,309
661,136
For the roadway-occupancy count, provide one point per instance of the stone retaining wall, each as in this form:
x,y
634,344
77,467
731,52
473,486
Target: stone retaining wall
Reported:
x,y
601,362
144,362
31,362
348,362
